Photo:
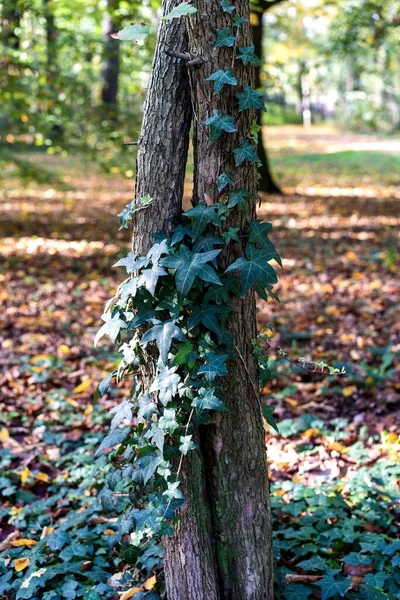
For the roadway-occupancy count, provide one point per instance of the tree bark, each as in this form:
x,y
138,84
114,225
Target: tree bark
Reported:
x,y
51,37
111,64
233,448
10,21
267,183
161,163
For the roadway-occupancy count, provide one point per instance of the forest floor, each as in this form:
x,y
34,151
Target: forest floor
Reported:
x,y
337,229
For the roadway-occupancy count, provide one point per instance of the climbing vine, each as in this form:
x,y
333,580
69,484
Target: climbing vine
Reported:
x,y
172,311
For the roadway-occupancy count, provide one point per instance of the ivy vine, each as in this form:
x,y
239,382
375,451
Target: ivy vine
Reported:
x,y
174,305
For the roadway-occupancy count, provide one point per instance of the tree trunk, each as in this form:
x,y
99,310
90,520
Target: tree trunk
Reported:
x,y
51,37
236,484
111,64
267,183
161,165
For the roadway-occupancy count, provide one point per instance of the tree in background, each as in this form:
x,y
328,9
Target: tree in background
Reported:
x,y
258,9
111,61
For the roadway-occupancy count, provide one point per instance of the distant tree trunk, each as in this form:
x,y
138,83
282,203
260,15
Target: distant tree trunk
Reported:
x,y
228,526
51,36
10,21
111,64
267,183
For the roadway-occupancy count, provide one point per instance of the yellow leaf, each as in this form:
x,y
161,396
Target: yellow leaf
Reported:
x,y
25,474
14,510
23,542
46,531
4,434
311,432
129,593
43,477
83,387
392,438
40,357
88,410
150,583
338,447
72,402
21,563
64,350
349,390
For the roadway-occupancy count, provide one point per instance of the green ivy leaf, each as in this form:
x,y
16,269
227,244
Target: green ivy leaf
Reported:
x,y
214,367
167,422
185,354
150,277
246,151
202,216
132,262
206,400
147,463
231,235
182,10
250,98
219,123
121,411
189,266
225,38
222,77
238,197
147,408
297,592
238,21
162,333
179,233
254,268
186,444
372,593
259,236
227,6
111,327
331,586
267,412
112,439
156,435
247,56
224,180
132,33
166,383
129,553
207,316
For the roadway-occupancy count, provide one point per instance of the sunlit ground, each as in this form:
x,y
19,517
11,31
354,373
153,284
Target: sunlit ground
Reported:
x,y
337,229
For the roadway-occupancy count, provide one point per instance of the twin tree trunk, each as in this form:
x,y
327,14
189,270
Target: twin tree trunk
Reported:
x,y
221,549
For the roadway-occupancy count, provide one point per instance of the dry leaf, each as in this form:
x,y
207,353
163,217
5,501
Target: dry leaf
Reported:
x,y
23,542
83,387
21,563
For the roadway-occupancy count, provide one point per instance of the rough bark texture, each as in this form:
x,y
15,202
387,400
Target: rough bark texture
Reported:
x,y
233,449
267,183
190,566
164,138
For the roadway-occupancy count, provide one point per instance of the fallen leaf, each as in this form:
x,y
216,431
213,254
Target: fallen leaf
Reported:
x,y
4,434
83,387
129,593
150,583
23,542
21,563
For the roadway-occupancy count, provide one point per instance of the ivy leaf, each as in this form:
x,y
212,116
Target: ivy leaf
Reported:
x,y
166,383
251,99
186,444
202,216
207,243
231,235
267,412
238,21
185,355
68,590
214,367
224,180
219,123
206,400
254,268
121,412
148,463
189,266
247,56
132,262
297,592
207,315
129,553
132,33
238,197
259,236
332,587
112,439
227,6
222,77
372,593
246,151
147,408
179,233
182,10
111,327
157,249
167,422
225,38
156,435
162,334
150,277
